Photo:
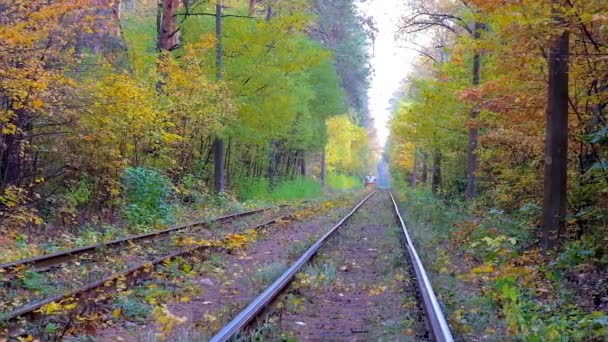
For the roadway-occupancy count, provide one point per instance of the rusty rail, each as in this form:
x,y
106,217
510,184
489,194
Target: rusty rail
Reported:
x,y
143,267
65,256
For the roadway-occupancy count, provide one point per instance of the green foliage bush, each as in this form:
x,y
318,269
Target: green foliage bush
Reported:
x,y
147,193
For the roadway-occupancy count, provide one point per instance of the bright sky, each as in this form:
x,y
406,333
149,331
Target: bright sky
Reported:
x,y
391,62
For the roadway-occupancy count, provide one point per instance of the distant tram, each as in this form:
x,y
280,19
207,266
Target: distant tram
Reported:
x,y
370,181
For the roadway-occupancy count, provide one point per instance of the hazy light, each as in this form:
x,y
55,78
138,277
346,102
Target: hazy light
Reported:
x,y
391,62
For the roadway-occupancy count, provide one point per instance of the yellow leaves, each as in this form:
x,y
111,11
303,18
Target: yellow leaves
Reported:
x,y
485,268
209,318
116,313
9,129
37,103
52,308
379,289
55,308
208,41
166,321
348,148
327,205
190,241
171,138
238,241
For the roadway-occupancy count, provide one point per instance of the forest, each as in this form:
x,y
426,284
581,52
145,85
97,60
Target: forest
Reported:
x,y
102,99
162,162
502,140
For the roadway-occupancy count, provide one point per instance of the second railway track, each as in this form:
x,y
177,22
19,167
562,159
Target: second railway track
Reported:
x,y
31,283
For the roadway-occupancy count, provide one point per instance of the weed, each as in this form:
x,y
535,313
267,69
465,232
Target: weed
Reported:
x,y
267,274
36,282
216,260
321,274
298,248
132,309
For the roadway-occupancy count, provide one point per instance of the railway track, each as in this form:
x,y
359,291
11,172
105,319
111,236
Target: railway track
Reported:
x,y
106,267
265,304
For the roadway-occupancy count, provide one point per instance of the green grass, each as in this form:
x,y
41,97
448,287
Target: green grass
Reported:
x,y
343,182
261,189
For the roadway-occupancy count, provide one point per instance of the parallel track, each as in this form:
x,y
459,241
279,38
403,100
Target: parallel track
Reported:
x,y
435,318
58,258
130,273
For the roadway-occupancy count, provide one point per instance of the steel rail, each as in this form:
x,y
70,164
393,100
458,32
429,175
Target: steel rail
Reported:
x,y
436,320
67,254
30,308
266,297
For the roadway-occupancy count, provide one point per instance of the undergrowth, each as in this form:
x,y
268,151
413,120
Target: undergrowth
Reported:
x,y
494,281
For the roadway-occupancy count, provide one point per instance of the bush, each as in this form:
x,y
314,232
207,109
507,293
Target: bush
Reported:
x,y
147,193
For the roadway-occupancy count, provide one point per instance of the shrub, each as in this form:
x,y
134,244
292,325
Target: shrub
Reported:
x,y
147,193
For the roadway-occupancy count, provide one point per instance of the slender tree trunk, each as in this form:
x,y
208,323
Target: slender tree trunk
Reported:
x,y
414,172
218,156
471,190
169,33
436,181
228,157
556,141
252,7
268,12
159,21
303,164
425,168
219,142
323,168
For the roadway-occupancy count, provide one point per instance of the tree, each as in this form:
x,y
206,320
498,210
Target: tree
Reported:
x,y
452,17
556,141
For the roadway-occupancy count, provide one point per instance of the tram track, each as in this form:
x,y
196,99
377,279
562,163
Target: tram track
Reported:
x,y
264,306
124,261
260,311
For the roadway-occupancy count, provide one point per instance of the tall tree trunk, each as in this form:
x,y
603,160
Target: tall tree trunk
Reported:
x,y
227,158
436,181
169,33
556,141
219,142
159,22
303,164
252,7
414,178
425,167
218,157
471,190
323,168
